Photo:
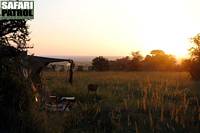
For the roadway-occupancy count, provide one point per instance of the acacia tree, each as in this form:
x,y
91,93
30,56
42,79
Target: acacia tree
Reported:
x,y
194,66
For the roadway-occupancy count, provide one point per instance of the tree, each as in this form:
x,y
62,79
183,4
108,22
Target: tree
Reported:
x,y
100,63
195,50
159,61
194,68
137,56
185,64
121,64
127,63
14,33
135,63
16,94
157,52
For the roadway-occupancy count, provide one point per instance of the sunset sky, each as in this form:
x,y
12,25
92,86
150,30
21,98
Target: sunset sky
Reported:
x,y
113,27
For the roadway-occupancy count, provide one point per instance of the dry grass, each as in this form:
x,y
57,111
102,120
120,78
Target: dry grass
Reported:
x,y
127,102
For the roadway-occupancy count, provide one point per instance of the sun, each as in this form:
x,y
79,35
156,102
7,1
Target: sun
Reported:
x,y
168,38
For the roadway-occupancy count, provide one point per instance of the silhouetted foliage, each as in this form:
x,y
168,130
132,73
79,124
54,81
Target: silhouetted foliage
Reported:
x,y
100,64
15,33
121,64
127,63
16,98
194,65
159,61
185,64
136,61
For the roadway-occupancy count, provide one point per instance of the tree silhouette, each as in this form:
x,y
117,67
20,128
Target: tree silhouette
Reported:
x,y
157,52
16,94
100,64
194,66
159,61
135,63
14,33
121,64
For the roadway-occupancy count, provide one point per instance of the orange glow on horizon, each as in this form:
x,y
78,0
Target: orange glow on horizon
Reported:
x,y
114,27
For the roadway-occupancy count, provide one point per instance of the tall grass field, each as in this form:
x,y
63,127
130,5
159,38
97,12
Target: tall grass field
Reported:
x,y
125,102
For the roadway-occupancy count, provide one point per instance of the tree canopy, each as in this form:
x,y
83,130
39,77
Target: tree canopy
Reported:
x,y
16,97
14,33
100,64
194,63
157,60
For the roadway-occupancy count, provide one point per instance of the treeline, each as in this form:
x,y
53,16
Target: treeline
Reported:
x,y
157,60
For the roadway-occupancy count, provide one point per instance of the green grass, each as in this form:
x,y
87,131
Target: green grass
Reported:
x,y
126,102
